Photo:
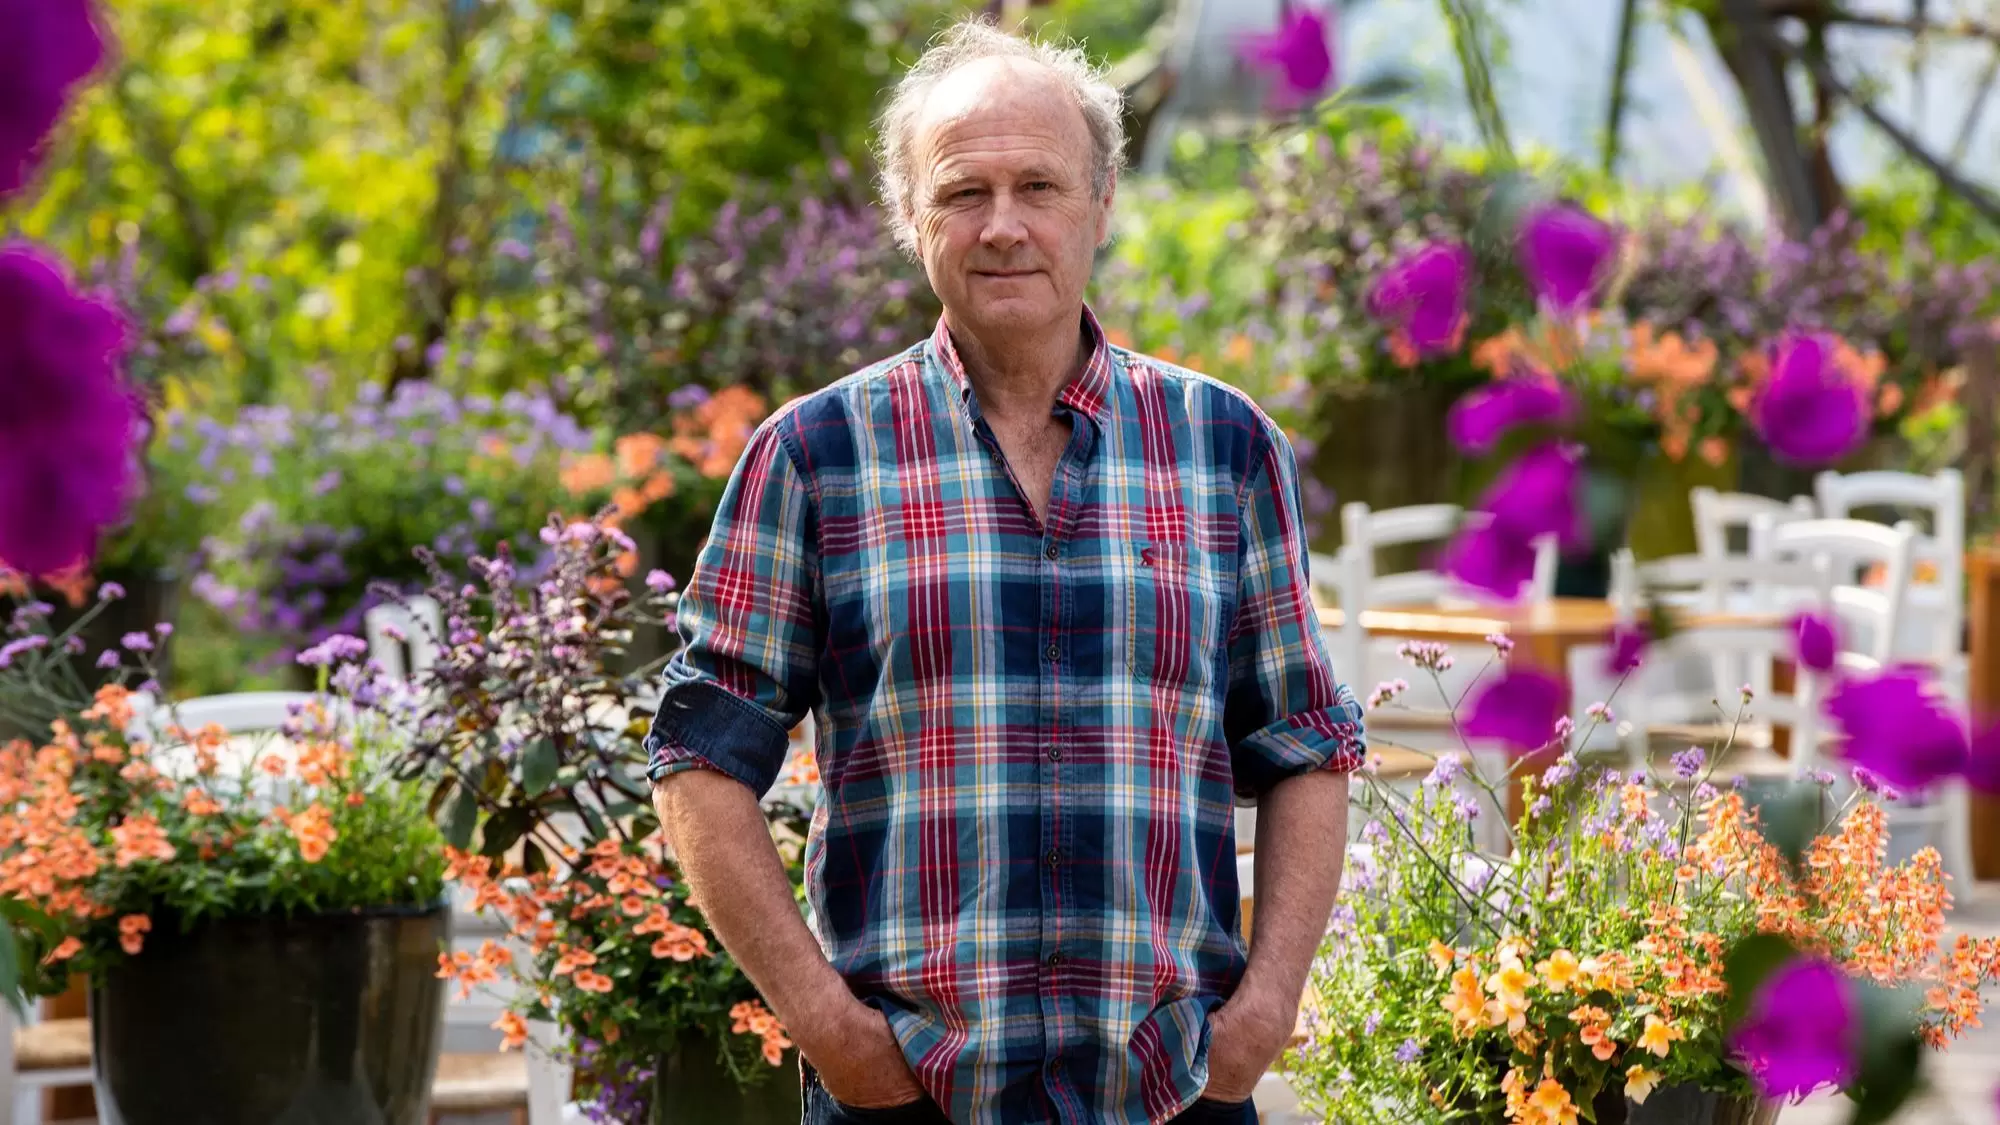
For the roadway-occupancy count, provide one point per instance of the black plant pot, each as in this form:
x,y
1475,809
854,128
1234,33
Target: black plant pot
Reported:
x,y
1684,1105
321,1020
691,1086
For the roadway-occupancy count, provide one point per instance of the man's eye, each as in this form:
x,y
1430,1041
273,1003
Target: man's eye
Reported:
x,y
1041,185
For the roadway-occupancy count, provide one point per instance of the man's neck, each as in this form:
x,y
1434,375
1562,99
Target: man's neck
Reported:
x,y
1018,376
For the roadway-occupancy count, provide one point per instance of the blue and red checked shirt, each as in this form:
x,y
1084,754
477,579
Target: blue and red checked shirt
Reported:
x,y
1029,731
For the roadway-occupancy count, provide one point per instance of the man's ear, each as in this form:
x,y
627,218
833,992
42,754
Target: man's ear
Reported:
x,y
1104,209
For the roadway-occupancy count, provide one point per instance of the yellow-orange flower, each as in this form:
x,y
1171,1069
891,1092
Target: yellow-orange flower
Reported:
x,y
1561,971
1658,1036
1466,1003
1639,1083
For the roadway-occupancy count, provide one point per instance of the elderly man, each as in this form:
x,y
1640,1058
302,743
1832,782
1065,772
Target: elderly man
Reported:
x,y
1047,600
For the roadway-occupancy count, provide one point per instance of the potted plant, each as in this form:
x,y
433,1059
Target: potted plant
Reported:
x,y
258,918
534,746
1584,975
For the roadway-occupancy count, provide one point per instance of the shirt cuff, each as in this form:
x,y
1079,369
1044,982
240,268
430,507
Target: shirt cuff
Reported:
x,y
702,725
1331,739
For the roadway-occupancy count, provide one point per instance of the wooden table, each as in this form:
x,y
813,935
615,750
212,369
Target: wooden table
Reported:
x,y
1982,616
1544,636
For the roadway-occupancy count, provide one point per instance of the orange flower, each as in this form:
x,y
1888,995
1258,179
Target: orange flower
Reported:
x,y
66,949
140,837
132,929
592,981
514,1030
639,453
314,831
1658,1037
572,960
199,803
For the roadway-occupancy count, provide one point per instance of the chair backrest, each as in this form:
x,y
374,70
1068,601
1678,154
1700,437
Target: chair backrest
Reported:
x,y
1842,544
1718,514
1940,498
403,637
1655,698
1365,531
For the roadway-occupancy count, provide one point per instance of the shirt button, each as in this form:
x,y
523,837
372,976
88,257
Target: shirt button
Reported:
x,y
1055,753
1055,960
1050,552
1054,652
1055,856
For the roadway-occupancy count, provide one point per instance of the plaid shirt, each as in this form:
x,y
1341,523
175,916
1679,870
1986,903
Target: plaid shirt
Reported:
x,y
1028,730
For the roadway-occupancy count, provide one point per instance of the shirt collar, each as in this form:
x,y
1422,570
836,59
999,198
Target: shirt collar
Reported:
x,y
1088,393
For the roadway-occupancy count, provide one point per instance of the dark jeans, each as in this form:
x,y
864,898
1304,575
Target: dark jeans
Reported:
x,y
821,1109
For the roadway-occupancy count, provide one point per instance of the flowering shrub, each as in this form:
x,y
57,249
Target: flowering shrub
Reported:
x,y
110,837
1593,960
535,747
345,496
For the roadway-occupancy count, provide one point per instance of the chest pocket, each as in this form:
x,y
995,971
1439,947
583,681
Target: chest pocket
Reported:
x,y
1179,603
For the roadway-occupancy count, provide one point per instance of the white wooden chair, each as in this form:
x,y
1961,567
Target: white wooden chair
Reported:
x,y
1719,516
1656,697
403,637
1850,545
1934,627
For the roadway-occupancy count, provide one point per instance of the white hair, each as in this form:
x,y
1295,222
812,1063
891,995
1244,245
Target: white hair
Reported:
x,y
970,41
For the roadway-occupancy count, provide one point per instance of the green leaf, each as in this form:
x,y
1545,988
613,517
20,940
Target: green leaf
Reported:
x,y
1892,1055
504,828
460,818
1793,819
532,860
539,763
1746,966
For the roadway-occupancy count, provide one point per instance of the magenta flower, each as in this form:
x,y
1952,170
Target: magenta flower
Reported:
x,y
1299,53
1421,298
1627,649
1566,253
68,424
1893,725
1538,495
1485,558
49,47
1809,411
1478,420
1982,763
1519,709
1801,1031
1816,640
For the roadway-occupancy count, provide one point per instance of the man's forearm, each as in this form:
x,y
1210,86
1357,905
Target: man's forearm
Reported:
x,y
1301,844
724,848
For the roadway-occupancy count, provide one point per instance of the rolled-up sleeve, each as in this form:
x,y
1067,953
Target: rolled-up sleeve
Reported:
x,y
747,670
1286,712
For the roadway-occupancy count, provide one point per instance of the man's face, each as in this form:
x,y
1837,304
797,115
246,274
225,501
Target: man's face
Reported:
x,y
1006,219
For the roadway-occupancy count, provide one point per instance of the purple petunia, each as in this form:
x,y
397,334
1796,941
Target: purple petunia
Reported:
x,y
1982,762
1894,725
1801,1032
1567,253
1421,298
1809,411
50,47
1815,640
1538,495
1299,53
1478,420
1483,558
68,423
1518,709
1627,649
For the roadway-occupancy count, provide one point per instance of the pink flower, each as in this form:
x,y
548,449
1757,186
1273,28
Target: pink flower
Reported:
x,y
1484,558
1299,53
1566,253
1518,709
68,423
49,47
1421,298
1479,419
1816,640
1801,1031
1809,411
1895,726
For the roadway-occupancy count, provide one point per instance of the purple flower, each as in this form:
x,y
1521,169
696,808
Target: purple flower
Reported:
x,y
1299,53
1409,1052
137,642
1373,1021
1801,1031
1484,558
1566,252
1537,495
1809,412
1982,764
1815,640
333,650
50,46
1628,649
110,592
1689,763
1478,420
12,649
1895,726
109,658
1519,709
67,421
1421,298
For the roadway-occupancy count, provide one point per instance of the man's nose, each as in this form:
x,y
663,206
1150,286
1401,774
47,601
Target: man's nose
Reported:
x,y
1005,221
